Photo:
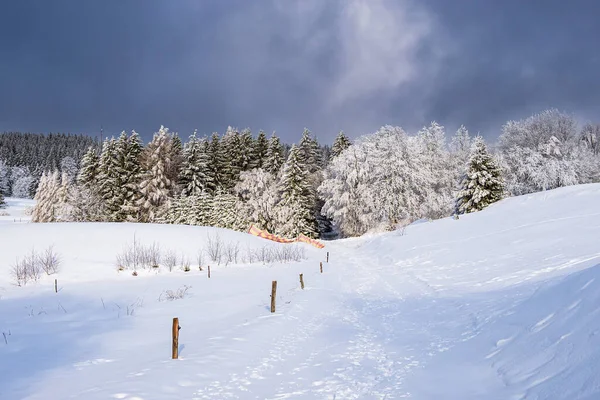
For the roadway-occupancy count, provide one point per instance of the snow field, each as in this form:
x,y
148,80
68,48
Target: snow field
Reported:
x,y
500,304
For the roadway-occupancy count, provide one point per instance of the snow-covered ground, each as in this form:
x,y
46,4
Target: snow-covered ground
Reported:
x,y
15,210
500,304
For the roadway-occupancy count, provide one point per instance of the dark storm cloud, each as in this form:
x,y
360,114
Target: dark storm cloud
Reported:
x,y
282,65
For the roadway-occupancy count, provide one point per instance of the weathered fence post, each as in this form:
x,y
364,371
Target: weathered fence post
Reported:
x,y
56,286
176,329
208,268
301,281
273,295
321,266
327,256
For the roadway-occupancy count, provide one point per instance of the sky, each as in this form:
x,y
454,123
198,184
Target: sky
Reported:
x,y
282,65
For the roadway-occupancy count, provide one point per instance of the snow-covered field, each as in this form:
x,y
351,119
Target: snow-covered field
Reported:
x,y
500,304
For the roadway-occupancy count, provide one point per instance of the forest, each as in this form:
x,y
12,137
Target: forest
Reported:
x,y
380,181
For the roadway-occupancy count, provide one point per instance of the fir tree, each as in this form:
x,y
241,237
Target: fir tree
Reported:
x,y
261,147
225,212
296,199
216,164
156,187
232,156
340,144
246,155
309,152
176,157
131,177
274,159
2,201
48,200
482,185
88,171
194,169
108,179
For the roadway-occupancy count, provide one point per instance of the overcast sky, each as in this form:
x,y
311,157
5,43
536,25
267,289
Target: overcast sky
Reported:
x,y
329,65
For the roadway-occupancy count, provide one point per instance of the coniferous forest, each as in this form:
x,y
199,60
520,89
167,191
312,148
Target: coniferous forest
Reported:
x,y
380,181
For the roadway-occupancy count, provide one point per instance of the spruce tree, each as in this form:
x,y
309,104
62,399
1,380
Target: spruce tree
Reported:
x,y
216,164
194,168
156,187
261,146
176,157
131,177
482,184
274,159
309,152
296,197
246,155
225,212
108,179
88,171
340,144
2,201
232,150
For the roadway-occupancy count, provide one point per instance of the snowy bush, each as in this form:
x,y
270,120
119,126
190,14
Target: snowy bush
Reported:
x,y
49,261
26,269
171,295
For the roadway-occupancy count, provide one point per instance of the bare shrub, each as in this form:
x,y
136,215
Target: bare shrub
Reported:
x,y
185,263
232,252
49,261
200,258
149,256
215,248
27,269
170,259
171,295
19,273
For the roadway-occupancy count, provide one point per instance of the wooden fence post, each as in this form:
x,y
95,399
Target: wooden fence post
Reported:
x,y
208,271
273,295
327,256
176,338
321,266
301,281
56,286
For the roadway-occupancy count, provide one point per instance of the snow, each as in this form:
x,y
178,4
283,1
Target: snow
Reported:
x,y
499,304
15,210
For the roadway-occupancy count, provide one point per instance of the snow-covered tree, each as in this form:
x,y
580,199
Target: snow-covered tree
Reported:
x,y
226,214
296,205
68,165
274,160
4,178
257,190
246,156
88,171
131,177
22,182
109,187
590,136
194,176
543,152
217,174
482,184
340,144
48,199
155,186
261,147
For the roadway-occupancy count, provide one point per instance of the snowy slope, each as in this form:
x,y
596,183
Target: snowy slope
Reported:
x,y
501,304
15,210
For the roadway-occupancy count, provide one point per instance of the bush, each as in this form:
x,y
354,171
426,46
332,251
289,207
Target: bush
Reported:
x,y
30,268
171,295
49,261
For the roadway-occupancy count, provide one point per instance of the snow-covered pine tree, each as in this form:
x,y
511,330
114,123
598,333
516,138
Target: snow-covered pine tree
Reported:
x,y
309,152
176,159
131,177
296,205
340,144
2,201
156,187
225,212
88,171
482,184
261,147
232,157
108,179
4,178
258,191
246,155
194,168
216,164
274,159
48,205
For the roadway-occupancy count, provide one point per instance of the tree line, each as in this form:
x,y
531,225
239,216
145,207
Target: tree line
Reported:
x,y
382,180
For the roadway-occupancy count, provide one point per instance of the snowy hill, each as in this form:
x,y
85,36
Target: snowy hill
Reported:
x,y
500,304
